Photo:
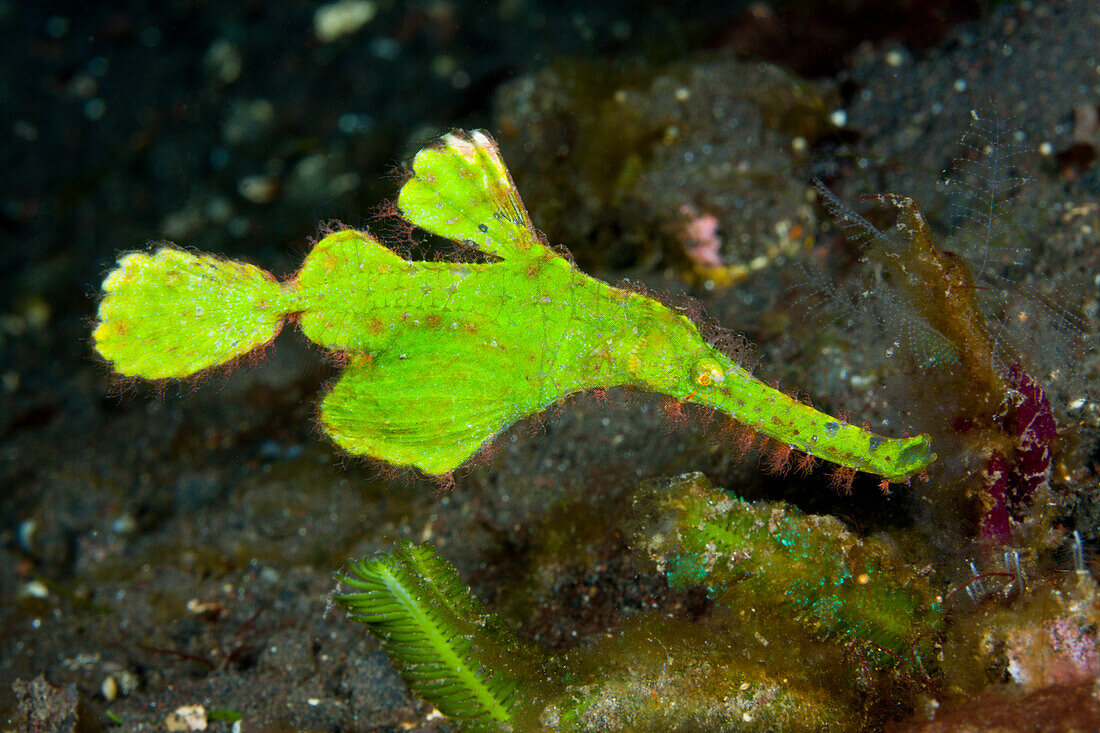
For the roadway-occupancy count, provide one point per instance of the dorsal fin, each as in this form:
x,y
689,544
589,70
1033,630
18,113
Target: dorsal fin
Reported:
x,y
461,190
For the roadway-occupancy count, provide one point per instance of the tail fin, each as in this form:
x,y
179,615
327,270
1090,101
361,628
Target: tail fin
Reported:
x,y
172,313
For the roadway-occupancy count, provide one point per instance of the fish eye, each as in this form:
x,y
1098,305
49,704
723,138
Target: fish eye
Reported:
x,y
707,372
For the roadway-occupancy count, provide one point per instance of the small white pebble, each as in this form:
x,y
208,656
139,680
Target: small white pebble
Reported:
x,y
109,688
257,189
186,718
35,589
341,18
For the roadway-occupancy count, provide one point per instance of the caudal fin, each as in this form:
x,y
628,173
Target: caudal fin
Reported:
x,y
171,314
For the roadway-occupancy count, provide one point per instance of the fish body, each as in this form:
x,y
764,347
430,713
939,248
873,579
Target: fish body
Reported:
x,y
443,356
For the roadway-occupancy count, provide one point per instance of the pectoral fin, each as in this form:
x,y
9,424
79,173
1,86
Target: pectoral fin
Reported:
x,y
428,405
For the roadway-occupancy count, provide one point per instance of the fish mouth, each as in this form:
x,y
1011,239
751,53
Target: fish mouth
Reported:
x,y
918,454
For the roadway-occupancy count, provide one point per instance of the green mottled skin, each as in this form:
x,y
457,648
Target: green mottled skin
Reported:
x,y
443,356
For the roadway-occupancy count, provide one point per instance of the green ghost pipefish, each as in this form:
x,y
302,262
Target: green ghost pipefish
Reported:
x,y
443,356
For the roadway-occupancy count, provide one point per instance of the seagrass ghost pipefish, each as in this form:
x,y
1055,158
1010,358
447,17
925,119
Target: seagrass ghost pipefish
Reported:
x,y
443,356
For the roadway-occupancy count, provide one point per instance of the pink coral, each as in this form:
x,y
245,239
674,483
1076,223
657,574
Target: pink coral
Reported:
x,y
700,237
1059,650
1075,656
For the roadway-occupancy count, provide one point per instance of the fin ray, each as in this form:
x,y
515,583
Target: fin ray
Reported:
x,y
427,403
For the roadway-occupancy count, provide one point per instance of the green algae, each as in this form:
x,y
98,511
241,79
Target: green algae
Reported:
x,y
809,628
769,555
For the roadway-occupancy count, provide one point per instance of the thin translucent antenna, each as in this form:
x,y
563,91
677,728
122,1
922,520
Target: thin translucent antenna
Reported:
x,y
1045,323
976,589
987,177
928,346
1012,565
854,226
846,304
1020,575
833,303
1067,319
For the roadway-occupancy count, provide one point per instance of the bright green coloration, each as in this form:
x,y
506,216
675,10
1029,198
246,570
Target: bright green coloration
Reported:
x,y
443,356
768,554
172,314
230,716
451,651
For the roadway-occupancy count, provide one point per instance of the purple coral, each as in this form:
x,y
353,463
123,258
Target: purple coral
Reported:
x,y
1011,480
